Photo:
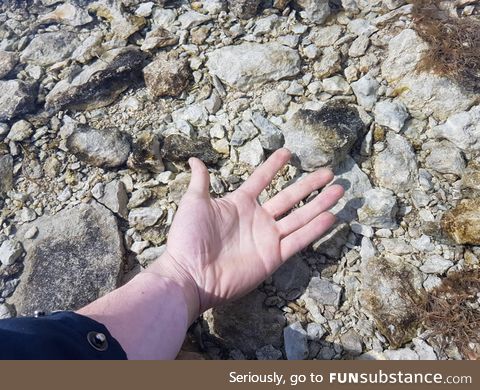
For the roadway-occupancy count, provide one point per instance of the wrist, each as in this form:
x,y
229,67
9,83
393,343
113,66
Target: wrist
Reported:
x,y
167,267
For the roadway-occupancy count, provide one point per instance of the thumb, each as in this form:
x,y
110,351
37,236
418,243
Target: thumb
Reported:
x,y
200,180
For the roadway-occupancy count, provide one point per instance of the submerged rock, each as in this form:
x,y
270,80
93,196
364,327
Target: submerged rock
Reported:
x,y
106,148
98,84
246,324
462,224
75,258
391,291
178,148
251,64
319,138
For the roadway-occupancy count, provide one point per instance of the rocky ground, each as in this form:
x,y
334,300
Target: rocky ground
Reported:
x,y
102,103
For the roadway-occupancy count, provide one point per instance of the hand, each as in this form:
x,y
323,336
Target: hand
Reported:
x,y
220,249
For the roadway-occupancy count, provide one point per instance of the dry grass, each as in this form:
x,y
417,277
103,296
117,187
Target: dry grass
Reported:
x,y
452,312
454,43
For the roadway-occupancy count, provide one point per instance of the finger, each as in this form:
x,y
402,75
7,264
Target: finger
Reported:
x,y
302,216
264,174
304,236
200,180
290,196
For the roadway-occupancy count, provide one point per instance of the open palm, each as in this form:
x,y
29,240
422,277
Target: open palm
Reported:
x,y
228,246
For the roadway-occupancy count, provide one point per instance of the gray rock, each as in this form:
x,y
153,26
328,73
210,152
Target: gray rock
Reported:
x,y
68,14
352,343
315,331
151,254
178,148
167,76
17,98
106,148
75,258
359,46
115,198
322,292
157,38
49,48
396,166
192,19
355,183
391,292
423,350
139,197
379,209
251,64
397,246
5,312
8,60
270,137
435,264
269,352
316,11
20,131
10,251
423,93
319,138
100,83
291,278
391,114
445,157
400,354
296,343
365,89
246,324
6,173
243,132
462,129
144,217
367,249
332,242
244,9
276,102
336,85
251,153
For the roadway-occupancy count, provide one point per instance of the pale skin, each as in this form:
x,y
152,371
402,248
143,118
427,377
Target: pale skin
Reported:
x,y
217,250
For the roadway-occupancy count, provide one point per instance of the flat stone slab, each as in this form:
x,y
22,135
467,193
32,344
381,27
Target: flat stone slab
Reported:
x,y
75,258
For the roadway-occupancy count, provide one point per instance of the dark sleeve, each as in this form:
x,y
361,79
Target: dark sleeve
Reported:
x,y
62,335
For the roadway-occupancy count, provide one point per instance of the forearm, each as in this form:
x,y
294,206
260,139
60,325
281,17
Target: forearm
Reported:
x,y
149,316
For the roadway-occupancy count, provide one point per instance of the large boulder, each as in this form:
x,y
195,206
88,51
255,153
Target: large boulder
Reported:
x,y
99,84
251,64
75,258
324,137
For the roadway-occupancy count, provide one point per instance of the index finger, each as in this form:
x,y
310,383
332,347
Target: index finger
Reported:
x,y
264,174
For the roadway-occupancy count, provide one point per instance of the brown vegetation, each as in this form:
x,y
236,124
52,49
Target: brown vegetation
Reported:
x,y
452,312
454,42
